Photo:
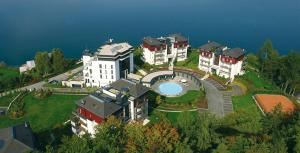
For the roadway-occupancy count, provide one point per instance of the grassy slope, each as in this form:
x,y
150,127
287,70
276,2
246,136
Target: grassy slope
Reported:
x,y
46,113
190,96
192,62
5,100
8,73
254,83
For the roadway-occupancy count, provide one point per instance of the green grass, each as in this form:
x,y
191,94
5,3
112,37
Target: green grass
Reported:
x,y
192,60
255,84
190,97
7,73
244,102
5,100
44,114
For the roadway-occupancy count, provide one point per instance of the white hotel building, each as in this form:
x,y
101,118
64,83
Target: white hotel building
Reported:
x,y
157,51
221,60
111,62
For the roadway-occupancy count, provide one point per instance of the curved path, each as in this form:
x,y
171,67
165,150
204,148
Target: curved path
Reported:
x,y
40,84
219,100
179,111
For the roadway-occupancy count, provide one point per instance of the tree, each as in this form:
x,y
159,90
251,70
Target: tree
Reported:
x,y
75,144
297,134
222,148
273,121
42,63
259,148
162,137
279,144
57,60
291,71
136,140
268,58
110,136
198,129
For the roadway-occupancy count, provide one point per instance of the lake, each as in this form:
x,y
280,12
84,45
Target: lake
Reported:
x,y
27,26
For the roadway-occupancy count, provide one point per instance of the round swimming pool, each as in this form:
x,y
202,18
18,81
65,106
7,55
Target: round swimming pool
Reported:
x,y
170,88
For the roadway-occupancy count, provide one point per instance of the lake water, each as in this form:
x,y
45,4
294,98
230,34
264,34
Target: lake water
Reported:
x,y
27,26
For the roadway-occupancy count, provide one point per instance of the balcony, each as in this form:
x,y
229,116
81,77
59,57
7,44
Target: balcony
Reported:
x,y
202,64
225,67
204,61
226,72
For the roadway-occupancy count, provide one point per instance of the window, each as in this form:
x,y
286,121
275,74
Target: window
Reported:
x,y
100,71
105,71
112,77
112,71
100,66
91,71
100,76
104,66
111,66
106,76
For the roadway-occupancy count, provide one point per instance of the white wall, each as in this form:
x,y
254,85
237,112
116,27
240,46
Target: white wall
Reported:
x,y
234,69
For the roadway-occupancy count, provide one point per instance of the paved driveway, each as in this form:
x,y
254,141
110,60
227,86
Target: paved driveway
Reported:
x,y
219,101
60,77
237,90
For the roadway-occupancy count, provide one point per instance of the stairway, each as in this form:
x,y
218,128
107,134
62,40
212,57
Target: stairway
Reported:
x,y
227,105
171,65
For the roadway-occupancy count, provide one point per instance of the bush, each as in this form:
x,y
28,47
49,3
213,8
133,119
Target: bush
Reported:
x,y
42,94
16,109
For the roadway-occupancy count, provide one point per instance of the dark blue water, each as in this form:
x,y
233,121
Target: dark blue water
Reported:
x,y
27,26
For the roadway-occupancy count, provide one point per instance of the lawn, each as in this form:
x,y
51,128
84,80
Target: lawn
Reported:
x,y
255,84
44,114
192,60
245,102
5,100
7,73
190,97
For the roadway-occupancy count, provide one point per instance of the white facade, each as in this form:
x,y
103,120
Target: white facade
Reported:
x,y
220,60
156,57
28,66
105,66
157,51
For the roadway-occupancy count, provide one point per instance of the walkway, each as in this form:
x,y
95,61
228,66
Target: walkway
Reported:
x,y
140,70
179,111
39,85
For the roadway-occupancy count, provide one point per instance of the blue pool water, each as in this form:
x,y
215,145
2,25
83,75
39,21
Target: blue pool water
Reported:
x,y
170,88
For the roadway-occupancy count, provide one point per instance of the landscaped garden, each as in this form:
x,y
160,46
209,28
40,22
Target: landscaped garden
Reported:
x,y
192,60
44,114
191,100
5,100
255,84
6,73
